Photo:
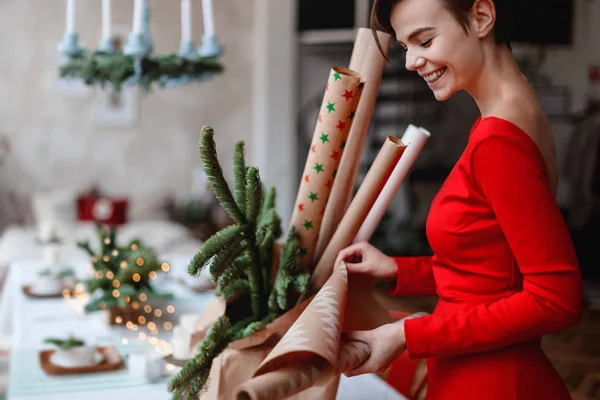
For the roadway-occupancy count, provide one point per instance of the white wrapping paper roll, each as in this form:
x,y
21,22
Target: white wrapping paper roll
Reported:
x,y
415,139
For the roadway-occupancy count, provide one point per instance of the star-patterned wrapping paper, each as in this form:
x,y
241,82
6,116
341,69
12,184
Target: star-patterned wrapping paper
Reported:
x,y
311,354
342,96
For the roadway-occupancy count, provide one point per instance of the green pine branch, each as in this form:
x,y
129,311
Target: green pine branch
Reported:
x,y
208,153
212,246
239,173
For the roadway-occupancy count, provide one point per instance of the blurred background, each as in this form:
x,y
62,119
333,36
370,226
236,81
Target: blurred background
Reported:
x,y
71,153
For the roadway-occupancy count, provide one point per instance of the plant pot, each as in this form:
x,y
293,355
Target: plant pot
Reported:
x,y
121,316
46,285
74,357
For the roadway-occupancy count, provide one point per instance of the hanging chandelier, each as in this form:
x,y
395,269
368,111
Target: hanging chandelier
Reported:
x,y
134,64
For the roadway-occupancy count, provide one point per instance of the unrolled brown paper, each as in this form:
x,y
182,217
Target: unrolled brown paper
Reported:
x,y
336,116
367,194
311,354
369,62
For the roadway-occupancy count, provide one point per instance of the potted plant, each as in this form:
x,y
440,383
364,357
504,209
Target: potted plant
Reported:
x,y
123,276
72,353
51,281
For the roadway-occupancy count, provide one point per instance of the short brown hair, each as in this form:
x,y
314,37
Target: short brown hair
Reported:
x,y
382,11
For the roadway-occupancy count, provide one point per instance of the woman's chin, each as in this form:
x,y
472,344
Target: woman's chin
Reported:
x,y
442,94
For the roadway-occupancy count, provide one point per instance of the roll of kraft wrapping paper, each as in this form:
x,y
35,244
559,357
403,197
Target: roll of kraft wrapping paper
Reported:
x,y
414,138
311,353
342,95
367,194
369,62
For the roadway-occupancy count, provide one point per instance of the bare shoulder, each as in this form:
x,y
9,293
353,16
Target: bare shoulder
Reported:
x,y
530,118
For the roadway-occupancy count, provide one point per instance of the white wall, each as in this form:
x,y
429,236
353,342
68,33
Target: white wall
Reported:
x,y
54,140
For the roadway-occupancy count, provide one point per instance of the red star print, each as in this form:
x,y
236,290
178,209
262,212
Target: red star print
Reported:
x,y
329,184
313,148
300,207
347,94
334,155
322,211
341,125
307,178
327,87
320,118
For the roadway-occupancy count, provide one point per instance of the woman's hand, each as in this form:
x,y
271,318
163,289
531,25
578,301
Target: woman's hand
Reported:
x,y
362,258
386,343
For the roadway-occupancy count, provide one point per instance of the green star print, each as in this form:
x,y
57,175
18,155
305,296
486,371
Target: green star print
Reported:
x,y
324,138
313,197
319,168
308,224
330,106
337,76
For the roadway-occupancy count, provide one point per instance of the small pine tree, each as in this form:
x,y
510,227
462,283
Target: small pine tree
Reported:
x,y
122,273
240,261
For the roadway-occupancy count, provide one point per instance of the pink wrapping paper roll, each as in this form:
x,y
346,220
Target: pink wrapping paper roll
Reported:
x,y
367,194
342,94
415,139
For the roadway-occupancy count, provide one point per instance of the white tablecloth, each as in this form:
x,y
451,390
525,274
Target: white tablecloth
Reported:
x,y
33,320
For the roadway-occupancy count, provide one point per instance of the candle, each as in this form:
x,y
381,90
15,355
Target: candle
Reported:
x,y
186,21
70,16
138,16
209,21
188,322
181,343
106,20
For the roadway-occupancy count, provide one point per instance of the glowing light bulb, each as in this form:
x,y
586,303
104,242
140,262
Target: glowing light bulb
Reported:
x,y
143,297
158,313
119,320
141,319
105,258
106,240
135,305
136,277
165,267
152,275
110,275
116,284
142,336
115,293
103,305
170,309
124,341
115,252
123,264
151,326
168,326
134,247
139,261
147,308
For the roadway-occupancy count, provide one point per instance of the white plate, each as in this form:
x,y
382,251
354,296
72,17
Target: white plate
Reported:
x,y
69,362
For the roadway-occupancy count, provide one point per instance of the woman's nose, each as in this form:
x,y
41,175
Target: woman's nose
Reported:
x,y
413,62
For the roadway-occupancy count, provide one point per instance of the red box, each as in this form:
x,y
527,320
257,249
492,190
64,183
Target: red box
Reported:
x,y
106,210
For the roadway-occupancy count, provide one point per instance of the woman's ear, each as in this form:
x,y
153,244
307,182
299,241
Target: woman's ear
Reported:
x,y
483,17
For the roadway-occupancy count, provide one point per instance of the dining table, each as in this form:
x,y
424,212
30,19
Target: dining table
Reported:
x,y
32,320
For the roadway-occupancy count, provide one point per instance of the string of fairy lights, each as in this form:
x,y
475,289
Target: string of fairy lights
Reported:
x,y
151,319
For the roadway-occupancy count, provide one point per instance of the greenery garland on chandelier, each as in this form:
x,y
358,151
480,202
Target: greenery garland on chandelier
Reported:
x,y
240,261
117,69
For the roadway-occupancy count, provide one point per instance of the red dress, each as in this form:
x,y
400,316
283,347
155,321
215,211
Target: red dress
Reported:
x,y
504,269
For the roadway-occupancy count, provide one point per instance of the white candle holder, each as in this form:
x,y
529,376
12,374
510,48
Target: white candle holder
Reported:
x,y
210,47
70,45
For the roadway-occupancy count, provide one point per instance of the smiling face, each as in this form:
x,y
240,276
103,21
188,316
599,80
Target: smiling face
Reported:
x,y
437,47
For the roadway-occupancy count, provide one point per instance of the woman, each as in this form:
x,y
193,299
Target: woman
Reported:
x,y
504,267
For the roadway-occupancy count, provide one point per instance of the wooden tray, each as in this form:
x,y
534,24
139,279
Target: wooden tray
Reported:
x,y
112,361
27,289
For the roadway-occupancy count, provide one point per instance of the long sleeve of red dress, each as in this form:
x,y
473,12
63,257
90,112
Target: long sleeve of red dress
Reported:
x,y
505,264
415,277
